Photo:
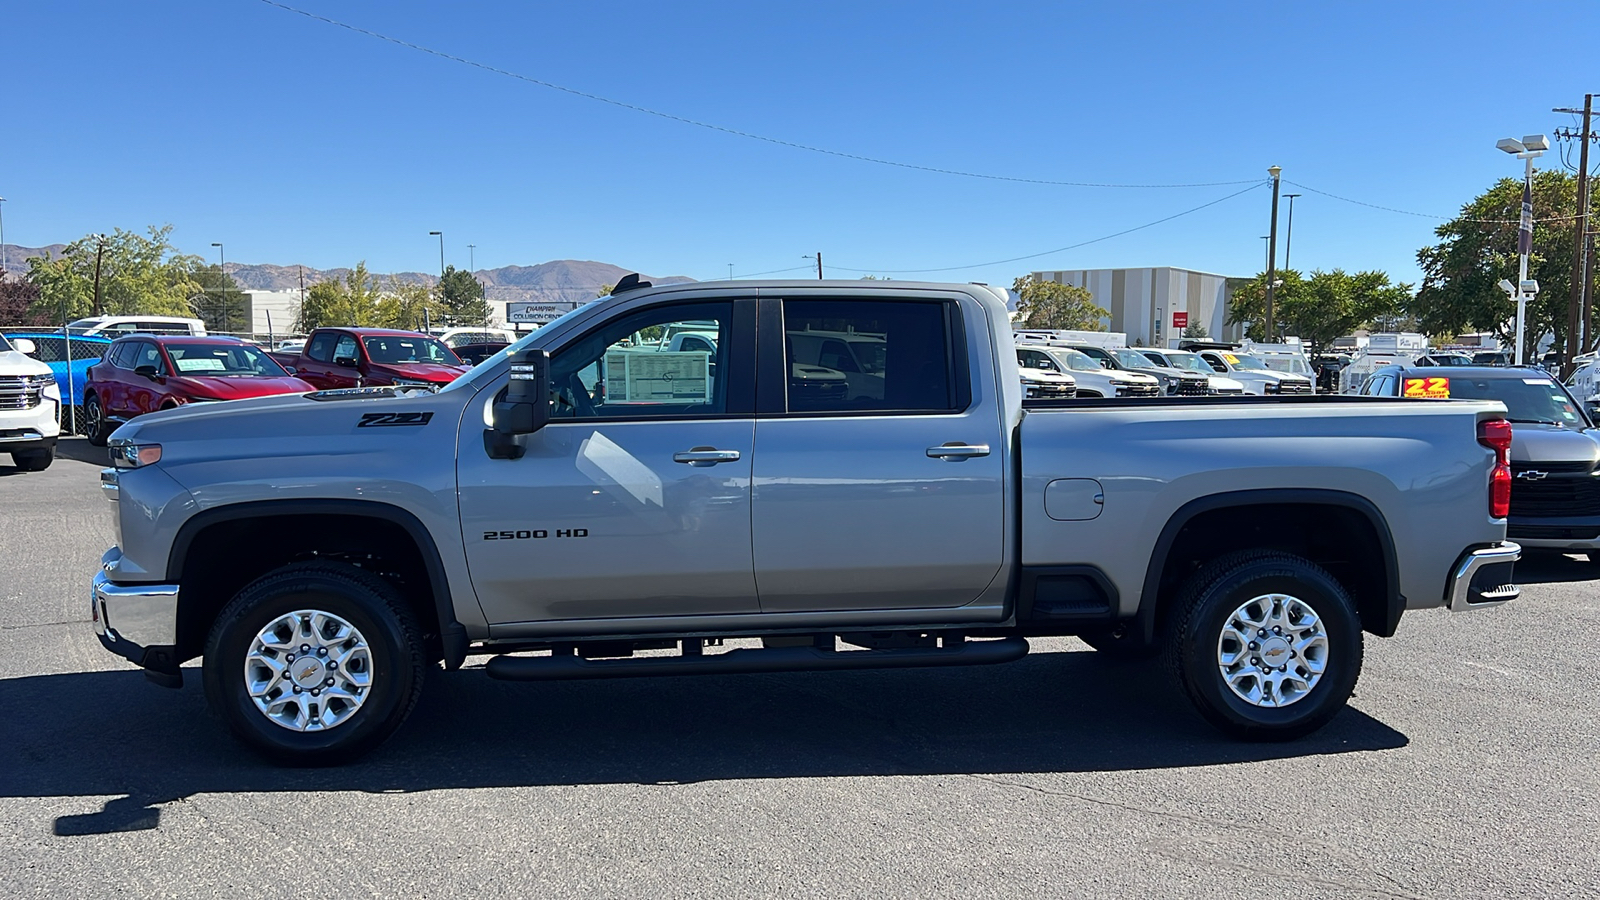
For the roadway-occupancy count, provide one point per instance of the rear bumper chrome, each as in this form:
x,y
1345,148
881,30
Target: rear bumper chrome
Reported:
x,y
1483,578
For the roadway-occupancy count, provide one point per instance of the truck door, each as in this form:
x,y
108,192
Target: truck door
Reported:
x,y
316,359
891,501
634,501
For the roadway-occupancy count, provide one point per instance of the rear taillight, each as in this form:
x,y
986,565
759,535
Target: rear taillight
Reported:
x,y
1496,435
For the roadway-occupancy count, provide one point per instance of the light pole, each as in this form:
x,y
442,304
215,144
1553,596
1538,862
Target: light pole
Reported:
x,y
1272,249
440,235
1288,239
818,258
1264,239
3,270
222,281
730,271
1528,149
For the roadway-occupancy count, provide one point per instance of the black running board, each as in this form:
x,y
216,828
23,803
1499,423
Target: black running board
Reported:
x,y
743,661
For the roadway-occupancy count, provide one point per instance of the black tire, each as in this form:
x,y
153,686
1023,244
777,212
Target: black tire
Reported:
x,y
34,460
94,421
1194,629
363,600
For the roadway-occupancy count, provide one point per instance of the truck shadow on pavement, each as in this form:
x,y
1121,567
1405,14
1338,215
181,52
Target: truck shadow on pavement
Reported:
x,y
111,733
1545,567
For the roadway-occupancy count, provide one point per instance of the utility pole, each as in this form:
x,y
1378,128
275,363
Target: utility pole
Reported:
x,y
222,281
99,253
819,265
1288,239
1576,308
1272,248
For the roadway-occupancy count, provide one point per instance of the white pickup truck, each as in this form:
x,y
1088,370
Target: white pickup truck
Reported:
x,y
30,406
325,552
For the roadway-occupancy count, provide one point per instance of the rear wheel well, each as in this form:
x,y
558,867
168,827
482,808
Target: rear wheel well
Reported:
x,y
226,556
1344,540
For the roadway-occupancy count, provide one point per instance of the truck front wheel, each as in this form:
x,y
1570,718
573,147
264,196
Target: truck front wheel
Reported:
x,y
1266,645
314,663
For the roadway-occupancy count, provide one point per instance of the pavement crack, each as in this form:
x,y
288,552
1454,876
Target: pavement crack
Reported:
x,y
43,625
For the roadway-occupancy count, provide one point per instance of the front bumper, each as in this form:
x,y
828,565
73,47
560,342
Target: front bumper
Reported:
x,y
138,622
1483,578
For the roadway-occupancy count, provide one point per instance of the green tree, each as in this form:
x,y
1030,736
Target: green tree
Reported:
x,y
406,305
1047,304
605,291
1478,248
1318,309
220,302
351,301
1196,332
461,298
138,274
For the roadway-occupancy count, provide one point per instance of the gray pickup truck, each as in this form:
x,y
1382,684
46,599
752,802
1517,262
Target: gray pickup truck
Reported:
x,y
595,501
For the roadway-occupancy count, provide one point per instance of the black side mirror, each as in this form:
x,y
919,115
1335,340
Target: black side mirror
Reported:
x,y
349,362
149,372
526,406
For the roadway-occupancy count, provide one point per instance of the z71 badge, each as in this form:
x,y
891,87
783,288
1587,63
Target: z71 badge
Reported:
x,y
388,420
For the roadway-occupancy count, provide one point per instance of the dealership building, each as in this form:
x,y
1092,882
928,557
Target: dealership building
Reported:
x,y
1142,301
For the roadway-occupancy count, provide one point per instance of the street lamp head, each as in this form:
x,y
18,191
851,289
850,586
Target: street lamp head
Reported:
x,y
1530,287
215,244
1274,171
1507,286
436,232
1510,145
1536,142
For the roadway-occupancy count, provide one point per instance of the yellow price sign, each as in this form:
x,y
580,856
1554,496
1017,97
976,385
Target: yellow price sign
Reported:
x,y
1426,388
1232,360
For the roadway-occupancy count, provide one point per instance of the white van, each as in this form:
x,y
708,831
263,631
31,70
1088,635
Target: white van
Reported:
x,y
117,326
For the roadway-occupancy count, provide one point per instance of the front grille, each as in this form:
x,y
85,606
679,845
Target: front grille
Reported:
x,y
1569,495
1050,391
1554,532
19,392
1193,387
1228,392
1552,468
1140,390
1294,387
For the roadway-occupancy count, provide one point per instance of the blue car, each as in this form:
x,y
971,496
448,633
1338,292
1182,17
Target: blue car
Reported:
x,y
51,348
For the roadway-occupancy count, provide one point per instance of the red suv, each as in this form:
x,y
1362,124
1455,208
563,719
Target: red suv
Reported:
x,y
364,357
144,373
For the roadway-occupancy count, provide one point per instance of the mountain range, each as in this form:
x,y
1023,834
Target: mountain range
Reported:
x,y
558,280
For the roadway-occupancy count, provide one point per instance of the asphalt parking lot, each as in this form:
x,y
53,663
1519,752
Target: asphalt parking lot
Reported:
x,y
1465,767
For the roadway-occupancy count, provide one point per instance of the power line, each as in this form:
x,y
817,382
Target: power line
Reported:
x,y
1069,246
722,128
1420,215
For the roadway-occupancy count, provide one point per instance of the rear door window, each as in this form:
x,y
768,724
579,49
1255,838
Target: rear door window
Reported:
x,y
321,347
870,356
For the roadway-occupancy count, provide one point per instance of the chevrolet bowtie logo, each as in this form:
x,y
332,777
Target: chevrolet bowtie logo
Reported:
x,y
1531,474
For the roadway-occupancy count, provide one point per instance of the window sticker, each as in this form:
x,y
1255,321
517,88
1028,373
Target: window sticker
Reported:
x,y
1232,360
1426,388
199,364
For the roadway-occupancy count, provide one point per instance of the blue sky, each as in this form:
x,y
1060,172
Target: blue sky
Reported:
x,y
293,141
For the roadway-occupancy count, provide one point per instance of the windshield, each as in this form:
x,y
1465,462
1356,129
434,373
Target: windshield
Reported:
x,y
400,348
222,359
1076,360
1248,363
1293,364
1131,359
1528,399
1189,362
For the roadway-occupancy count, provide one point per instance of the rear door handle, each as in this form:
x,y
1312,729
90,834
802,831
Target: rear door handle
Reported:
x,y
705,456
957,451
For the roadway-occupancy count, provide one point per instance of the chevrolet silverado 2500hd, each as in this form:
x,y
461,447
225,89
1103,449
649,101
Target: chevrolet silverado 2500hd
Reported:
x,y
575,501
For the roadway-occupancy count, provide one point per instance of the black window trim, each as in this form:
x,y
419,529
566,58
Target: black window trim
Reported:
x,y
772,377
740,394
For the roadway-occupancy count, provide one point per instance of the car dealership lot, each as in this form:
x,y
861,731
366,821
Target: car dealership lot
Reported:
x,y
1465,767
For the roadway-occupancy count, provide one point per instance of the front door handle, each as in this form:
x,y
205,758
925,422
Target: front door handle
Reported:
x,y
956,451
705,456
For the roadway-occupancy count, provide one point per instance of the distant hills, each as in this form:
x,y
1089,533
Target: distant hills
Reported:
x,y
558,280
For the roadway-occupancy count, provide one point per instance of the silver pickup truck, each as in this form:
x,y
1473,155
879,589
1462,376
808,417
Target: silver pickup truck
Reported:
x,y
592,502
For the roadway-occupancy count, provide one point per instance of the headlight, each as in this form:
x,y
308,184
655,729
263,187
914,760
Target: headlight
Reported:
x,y
1271,387
128,455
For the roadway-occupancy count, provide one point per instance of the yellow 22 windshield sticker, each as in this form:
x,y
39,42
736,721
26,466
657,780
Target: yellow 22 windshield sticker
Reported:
x,y
1232,360
1426,388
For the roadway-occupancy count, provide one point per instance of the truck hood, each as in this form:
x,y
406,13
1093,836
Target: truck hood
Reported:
x,y
14,362
434,372
240,387
1224,383
1533,443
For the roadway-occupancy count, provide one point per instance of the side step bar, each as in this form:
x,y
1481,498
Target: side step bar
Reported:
x,y
749,660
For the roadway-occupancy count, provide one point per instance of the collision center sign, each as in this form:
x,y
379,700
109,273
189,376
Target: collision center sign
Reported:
x,y
531,312
1180,320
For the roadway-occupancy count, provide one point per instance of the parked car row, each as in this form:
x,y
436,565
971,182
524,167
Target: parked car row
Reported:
x,y
1196,370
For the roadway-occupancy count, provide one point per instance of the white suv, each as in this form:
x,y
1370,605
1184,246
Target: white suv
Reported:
x,y
30,407
117,326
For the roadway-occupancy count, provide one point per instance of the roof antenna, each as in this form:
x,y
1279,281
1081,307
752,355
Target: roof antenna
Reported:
x,y
629,282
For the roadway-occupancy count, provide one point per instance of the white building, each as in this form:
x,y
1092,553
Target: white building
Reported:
x,y
1142,301
270,312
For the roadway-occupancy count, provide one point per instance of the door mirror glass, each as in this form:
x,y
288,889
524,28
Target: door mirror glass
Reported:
x,y
349,362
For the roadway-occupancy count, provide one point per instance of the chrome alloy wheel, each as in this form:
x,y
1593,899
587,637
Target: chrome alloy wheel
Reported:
x,y
1273,650
308,670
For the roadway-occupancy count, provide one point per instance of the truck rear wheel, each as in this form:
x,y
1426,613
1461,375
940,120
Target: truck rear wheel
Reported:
x,y
314,663
34,460
1266,645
